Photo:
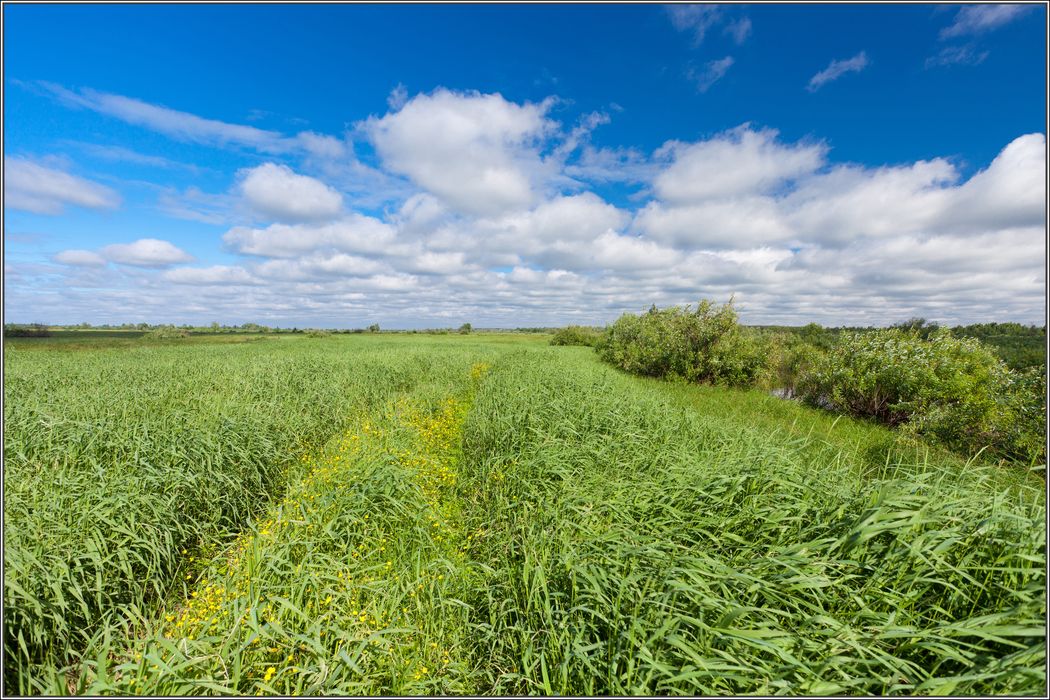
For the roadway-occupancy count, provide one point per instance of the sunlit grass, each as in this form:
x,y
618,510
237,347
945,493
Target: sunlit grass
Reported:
x,y
123,471
450,515
338,586
636,548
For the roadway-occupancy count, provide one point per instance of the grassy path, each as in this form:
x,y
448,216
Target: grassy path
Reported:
x,y
348,585
119,466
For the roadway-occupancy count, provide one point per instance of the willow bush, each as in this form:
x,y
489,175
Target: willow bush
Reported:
x,y
954,391
576,335
705,344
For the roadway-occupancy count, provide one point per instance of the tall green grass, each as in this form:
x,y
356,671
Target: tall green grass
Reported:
x,y
367,515
121,465
632,547
346,586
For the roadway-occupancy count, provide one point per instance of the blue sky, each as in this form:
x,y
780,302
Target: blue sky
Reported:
x,y
523,165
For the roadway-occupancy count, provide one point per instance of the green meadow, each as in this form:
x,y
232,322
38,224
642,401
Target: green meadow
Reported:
x,y
488,514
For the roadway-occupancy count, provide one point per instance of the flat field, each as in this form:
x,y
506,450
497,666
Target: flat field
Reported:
x,y
485,514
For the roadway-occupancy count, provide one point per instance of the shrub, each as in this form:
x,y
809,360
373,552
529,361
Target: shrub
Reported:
x,y
166,333
576,335
701,345
465,329
816,335
317,333
918,324
789,357
1025,438
952,390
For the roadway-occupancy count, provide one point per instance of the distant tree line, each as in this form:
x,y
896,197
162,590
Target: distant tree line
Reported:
x,y
40,330
26,330
1020,346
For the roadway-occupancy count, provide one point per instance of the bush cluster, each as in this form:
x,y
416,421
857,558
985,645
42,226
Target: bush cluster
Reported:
x,y
705,344
576,335
166,333
790,356
953,390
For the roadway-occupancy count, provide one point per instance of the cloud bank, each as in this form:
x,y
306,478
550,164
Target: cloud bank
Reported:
x,y
501,222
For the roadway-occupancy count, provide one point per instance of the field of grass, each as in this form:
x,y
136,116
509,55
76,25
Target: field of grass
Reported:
x,y
486,514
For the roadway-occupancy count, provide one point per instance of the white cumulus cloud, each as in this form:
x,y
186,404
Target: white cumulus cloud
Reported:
x,y
354,233
742,161
475,152
723,193
214,275
278,193
146,252
80,258
482,211
733,222
851,201
1010,192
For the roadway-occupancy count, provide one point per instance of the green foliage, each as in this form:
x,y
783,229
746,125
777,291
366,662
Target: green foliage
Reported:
x,y
116,462
789,357
318,333
1024,438
465,329
166,333
485,515
577,335
374,328
816,335
702,345
952,390
632,546
918,325
1020,346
